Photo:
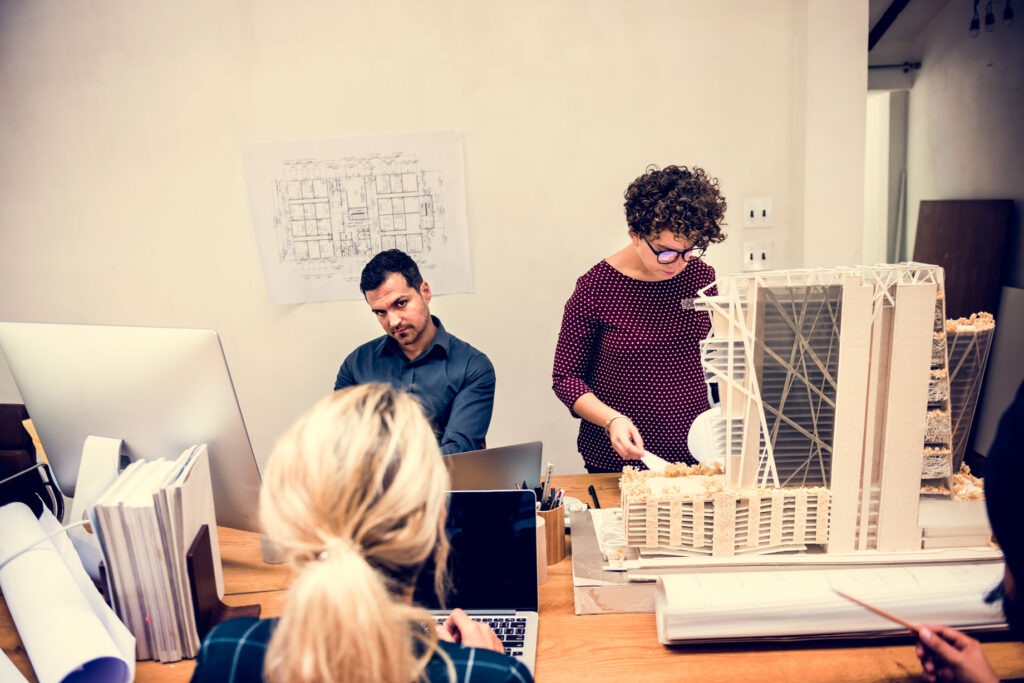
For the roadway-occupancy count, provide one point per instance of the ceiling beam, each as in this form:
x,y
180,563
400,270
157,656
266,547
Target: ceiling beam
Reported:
x,y
879,29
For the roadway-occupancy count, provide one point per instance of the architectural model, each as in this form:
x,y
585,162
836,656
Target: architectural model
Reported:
x,y
969,341
937,462
835,395
689,510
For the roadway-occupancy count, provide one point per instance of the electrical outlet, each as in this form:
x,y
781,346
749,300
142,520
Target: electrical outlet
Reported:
x,y
757,212
757,255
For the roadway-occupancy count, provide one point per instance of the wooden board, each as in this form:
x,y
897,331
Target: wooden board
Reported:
x,y
968,239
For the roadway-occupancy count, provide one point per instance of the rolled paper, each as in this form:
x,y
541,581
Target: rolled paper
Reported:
x,y
65,637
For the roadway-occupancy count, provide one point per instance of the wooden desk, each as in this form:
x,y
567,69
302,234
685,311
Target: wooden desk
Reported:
x,y
606,647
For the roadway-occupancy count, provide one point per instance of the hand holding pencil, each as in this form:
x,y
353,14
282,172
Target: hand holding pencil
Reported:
x,y
945,653
950,655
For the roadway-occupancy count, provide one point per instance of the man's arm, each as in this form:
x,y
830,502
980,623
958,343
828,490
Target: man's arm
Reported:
x,y
471,410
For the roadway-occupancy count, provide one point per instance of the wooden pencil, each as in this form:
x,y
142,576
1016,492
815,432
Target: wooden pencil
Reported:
x,y
880,612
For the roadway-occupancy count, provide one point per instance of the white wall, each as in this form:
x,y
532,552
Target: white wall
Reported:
x,y
965,114
885,170
122,197
876,178
966,109
896,247
835,68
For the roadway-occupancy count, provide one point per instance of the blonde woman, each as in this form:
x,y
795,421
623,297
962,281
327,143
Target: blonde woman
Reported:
x,y
354,495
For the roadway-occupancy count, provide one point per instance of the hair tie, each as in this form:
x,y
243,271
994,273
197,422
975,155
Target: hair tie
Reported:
x,y
337,546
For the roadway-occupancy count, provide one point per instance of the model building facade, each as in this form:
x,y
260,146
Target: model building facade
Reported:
x,y
825,378
968,341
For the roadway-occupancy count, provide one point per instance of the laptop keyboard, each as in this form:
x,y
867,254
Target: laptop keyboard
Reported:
x,y
511,631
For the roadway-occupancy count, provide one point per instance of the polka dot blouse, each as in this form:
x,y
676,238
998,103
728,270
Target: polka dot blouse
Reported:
x,y
632,344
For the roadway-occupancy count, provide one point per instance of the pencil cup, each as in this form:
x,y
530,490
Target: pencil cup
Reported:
x,y
542,552
554,533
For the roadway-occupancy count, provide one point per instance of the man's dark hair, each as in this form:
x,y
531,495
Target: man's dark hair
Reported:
x,y
386,262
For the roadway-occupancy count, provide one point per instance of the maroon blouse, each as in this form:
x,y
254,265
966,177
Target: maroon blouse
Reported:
x,y
632,344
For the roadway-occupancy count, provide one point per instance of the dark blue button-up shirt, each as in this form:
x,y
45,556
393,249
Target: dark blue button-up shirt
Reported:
x,y
453,381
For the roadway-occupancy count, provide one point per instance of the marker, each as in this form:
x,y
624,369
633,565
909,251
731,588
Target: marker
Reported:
x,y
593,494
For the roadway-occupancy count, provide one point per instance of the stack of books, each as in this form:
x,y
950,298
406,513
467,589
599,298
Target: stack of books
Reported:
x,y
146,522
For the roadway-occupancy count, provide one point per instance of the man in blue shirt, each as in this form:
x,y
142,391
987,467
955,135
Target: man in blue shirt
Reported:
x,y
453,381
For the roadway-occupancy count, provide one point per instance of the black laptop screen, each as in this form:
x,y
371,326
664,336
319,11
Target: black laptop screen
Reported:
x,y
493,560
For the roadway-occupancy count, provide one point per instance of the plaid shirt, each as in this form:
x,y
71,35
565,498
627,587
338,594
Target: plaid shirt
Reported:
x,y
233,652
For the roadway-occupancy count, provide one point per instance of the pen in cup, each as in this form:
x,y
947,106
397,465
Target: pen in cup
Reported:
x,y
547,485
553,500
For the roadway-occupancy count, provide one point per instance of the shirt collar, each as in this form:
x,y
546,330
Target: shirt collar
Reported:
x,y
442,342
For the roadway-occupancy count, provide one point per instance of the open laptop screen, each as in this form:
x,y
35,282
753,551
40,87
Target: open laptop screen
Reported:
x,y
493,559
496,468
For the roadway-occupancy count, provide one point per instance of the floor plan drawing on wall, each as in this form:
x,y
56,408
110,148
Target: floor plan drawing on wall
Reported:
x,y
335,215
321,210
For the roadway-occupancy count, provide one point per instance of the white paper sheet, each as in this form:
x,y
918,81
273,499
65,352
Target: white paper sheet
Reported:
x,y
189,499
701,440
101,457
119,633
8,672
322,209
64,625
611,535
196,491
772,603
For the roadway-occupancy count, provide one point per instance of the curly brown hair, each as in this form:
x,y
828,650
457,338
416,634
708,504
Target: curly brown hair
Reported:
x,y
679,199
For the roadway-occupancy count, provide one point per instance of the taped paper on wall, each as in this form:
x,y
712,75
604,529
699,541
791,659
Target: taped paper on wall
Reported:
x,y
322,209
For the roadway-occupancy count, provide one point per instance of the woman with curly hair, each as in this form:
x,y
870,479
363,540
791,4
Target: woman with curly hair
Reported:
x,y
355,495
627,360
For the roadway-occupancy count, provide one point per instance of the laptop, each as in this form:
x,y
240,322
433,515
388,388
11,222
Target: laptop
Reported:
x,y
496,468
493,567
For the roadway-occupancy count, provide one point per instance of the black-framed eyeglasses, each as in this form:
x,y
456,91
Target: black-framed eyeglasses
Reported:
x,y
670,255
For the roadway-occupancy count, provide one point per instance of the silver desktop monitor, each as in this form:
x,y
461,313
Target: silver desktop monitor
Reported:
x,y
159,389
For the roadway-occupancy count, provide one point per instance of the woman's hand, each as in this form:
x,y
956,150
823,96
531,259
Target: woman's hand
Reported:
x,y
459,628
623,434
949,655
626,439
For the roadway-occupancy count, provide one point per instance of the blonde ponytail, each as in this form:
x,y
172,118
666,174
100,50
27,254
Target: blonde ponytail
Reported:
x,y
344,597
354,494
